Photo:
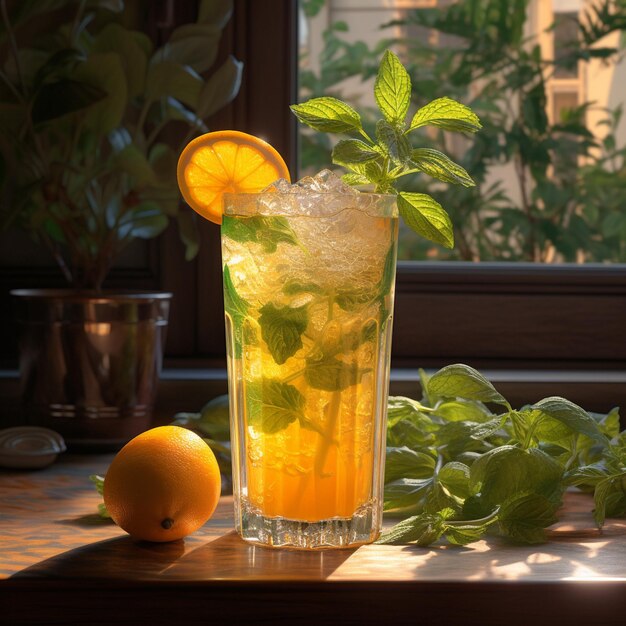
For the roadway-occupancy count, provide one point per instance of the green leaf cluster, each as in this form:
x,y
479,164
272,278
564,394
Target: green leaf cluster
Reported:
x,y
462,462
85,108
564,202
98,482
391,155
266,231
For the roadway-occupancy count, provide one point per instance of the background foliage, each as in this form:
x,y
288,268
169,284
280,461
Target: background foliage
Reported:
x,y
93,116
570,188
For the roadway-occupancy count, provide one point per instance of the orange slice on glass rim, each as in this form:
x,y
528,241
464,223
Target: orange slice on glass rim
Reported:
x,y
226,161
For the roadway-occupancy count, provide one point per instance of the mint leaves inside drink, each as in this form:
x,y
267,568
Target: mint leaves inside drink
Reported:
x,y
266,231
282,328
462,462
273,405
391,154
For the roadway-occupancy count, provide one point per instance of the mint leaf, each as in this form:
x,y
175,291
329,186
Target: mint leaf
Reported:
x,y
273,231
507,472
457,437
462,381
422,529
264,230
328,115
399,408
569,414
389,271
439,498
236,308
295,287
393,143
600,496
441,167
447,114
353,300
586,476
402,462
98,481
350,151
525,516
609,497
455,477
281,329
331,374
405,492
392,89
463,410
375,173
462,535
354,179
426,217
272,405
213,420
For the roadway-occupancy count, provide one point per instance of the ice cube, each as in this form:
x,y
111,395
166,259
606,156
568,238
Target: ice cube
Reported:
x,y
328,182
281,185
307,183
323,182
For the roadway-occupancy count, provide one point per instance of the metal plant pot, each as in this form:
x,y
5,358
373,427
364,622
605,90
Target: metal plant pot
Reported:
x,y
90,363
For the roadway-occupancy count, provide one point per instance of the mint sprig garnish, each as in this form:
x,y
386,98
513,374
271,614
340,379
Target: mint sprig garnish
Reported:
x,y
462,462
391,155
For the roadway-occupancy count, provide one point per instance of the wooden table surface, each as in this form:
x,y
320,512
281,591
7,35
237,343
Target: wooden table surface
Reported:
x,y
61,564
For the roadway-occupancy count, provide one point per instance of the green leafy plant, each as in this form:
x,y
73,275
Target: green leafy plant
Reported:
x,y
88,110
552,207
462,462
380,163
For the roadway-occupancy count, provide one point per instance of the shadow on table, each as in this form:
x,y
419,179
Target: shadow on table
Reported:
x,y
226,558
231,558
119,558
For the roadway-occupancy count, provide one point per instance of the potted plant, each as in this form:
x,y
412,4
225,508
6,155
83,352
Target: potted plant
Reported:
x,y
84,105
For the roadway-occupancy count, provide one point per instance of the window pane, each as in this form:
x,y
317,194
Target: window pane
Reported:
x,y
549,162
565,37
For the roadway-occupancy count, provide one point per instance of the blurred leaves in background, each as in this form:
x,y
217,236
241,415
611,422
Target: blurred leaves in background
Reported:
x,y
567,191
86,101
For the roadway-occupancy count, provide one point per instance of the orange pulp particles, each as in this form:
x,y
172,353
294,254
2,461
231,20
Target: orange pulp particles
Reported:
x,y
226,161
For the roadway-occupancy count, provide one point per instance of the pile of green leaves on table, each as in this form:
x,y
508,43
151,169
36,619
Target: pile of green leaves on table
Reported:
x,y
462,462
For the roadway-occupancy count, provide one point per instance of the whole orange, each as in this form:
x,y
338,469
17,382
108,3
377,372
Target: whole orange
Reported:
x,y
163,484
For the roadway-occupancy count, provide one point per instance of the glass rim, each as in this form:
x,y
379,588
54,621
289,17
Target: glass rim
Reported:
x,y
239,204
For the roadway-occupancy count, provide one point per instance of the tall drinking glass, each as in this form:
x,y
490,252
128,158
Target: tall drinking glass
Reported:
x,y
308,288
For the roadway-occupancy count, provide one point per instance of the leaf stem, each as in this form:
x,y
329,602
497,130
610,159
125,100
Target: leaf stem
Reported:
x,y
293,376
530,433
483,521
366,136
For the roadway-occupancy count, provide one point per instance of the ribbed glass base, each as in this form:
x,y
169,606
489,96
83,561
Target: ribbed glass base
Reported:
x,y
278,532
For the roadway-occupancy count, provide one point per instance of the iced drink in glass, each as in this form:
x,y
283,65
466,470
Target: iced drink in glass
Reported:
x,y
309,272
